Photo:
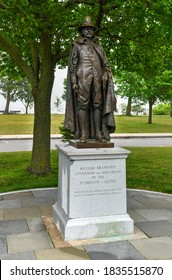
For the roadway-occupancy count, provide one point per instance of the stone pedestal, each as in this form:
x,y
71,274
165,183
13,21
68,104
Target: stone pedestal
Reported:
x,y
92,193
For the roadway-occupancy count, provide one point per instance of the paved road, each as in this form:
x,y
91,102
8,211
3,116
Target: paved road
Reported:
x,y
26,145
143,142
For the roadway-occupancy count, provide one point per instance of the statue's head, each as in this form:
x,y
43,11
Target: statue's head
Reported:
x,y
87,25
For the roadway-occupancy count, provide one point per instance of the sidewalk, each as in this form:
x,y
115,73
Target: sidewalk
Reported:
x,y
27,230
113,135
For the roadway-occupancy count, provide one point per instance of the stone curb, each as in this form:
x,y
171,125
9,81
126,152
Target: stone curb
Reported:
x,y
117,135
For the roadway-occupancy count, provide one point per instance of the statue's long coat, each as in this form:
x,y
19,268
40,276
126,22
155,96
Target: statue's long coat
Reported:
x,y
109,101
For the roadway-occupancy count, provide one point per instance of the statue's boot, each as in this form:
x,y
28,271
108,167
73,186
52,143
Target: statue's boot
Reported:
x,y
97,123
82,124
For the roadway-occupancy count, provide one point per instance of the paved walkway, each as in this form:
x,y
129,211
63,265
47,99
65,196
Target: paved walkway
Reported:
x,y
27,230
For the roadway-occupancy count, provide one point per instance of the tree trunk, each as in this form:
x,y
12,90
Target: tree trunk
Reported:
x,y
40,162
150,112
42,85
171,111
128,109
7,106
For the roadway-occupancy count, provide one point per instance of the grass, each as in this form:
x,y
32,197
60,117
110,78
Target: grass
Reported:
x,y
13,174
16,124
23,124
150,169
147,168
139,124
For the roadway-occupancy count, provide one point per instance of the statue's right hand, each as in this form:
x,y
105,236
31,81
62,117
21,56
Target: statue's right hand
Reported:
x,y
75,87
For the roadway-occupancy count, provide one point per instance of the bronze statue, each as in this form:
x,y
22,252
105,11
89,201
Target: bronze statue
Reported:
x,y
90,90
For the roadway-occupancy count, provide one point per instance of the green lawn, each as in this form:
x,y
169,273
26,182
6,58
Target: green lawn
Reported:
x,y
147,168
14,175
139,124
150,169
23,124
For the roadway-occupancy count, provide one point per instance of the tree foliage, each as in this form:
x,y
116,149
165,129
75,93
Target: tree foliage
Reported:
x,y
8,89
161,109
13,90
64,95
24,94
37,36
57,103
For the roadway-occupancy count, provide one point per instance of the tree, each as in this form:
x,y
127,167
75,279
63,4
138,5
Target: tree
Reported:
x,y
137,108
170,109
64,95
8,89
13,90
9,78
24,94
152,85
123,108
148,56
33,34
129,85
37,35
57,102
157,87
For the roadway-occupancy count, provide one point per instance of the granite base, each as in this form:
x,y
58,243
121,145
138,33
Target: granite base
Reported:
x,y
92,193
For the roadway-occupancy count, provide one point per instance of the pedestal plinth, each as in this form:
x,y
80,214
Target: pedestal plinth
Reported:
x,y
92,193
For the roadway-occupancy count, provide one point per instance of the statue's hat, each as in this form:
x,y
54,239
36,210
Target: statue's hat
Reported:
x,y
87,23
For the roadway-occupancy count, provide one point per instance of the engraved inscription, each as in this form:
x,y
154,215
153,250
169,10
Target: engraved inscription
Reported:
x,y
101,177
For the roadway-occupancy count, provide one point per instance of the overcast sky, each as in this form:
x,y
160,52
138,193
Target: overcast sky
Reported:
x,y
57,91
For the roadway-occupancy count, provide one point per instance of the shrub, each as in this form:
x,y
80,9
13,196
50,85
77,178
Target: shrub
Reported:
x,y
161,109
